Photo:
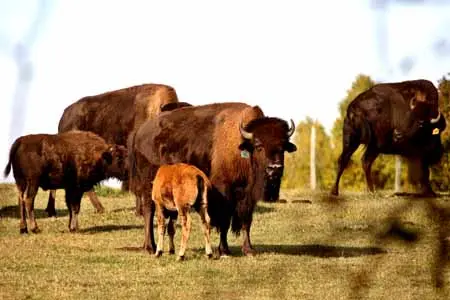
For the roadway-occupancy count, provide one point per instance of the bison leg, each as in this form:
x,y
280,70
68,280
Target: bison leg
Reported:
x,y
350,144
186,221
30,194
224,250
247,247
367,160
148,214
23,219
95,202
50,209
139,211
171,233
161,230
73,200
427,190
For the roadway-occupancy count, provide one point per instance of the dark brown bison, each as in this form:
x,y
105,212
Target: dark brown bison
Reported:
x,y
394,118
113,116
177,188
234,144
74,161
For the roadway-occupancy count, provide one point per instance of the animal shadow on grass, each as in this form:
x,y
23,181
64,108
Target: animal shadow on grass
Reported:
x,y
12,211
263,209
108,228
316,250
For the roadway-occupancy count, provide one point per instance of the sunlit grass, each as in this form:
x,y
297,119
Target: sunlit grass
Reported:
x,y
309,248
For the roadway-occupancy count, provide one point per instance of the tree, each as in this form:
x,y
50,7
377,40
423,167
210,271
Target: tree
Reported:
x,y
297,166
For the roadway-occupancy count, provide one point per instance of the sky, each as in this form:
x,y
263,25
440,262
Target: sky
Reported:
x,y
292,58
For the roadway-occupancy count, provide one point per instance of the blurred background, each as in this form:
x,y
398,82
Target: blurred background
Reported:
x,y
303,60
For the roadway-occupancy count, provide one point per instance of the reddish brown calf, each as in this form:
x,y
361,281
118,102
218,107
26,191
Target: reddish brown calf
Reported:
x,y
179,187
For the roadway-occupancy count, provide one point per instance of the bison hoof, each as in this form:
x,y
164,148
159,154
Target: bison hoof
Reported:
x,y
148,249
249,251
172,251
100,210
224,251
158,253
23,230
181,258
209,255
72,230
35,230
51,213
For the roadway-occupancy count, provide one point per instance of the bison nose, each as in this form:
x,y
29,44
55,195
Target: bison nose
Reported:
x,y
273,170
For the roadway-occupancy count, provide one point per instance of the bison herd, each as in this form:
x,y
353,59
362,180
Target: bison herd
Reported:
x,y
219,158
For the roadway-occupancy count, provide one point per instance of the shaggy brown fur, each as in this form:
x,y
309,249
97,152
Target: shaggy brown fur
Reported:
x,y
74,161
394,118
209,137
179,187
113,116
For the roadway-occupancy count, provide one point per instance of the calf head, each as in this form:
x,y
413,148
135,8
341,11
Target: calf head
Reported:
x,y
266,140
115,162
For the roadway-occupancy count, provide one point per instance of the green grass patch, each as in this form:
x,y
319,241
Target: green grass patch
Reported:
x,y
311,247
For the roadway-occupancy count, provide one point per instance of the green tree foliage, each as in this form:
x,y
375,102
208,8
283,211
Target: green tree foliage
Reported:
x,y
440,173
297,164
383,169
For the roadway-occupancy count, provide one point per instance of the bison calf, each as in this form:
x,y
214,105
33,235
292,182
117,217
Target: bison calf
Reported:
x,y
74,161
177,187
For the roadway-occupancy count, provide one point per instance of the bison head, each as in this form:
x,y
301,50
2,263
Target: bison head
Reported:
x,y
428,138
115,162
266,140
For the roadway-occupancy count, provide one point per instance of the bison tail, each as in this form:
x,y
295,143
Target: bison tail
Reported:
x,y
12,153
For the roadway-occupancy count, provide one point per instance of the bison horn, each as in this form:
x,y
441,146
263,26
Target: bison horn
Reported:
x,y
435,120
291,129
245,134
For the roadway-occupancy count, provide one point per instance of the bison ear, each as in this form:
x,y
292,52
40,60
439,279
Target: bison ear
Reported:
x,y
107,157
289,147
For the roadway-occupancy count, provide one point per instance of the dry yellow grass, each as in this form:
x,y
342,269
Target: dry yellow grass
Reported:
x,y
309,248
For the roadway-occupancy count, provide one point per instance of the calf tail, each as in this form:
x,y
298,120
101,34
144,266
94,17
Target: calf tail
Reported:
x,y
12,153
203,185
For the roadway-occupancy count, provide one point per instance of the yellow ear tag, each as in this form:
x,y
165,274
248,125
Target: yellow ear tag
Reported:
x,y
435,131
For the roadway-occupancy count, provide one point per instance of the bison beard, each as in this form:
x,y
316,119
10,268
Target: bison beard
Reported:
x,y
234,159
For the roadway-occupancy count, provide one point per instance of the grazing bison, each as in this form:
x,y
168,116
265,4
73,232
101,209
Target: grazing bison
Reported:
x,y
394,118
74,161
234,144
179,187
113,116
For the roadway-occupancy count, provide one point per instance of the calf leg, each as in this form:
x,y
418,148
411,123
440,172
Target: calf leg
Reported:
x,y
367,160
161,230
50,209
204,216
350,144
73,200
185,219
30,194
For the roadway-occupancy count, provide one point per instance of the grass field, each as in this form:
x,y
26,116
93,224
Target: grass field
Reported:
x,y
309,248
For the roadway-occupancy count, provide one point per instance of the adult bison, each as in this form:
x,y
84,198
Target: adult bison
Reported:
x,y
400,118
74,161
234,144
113,116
